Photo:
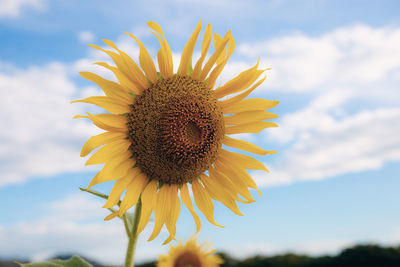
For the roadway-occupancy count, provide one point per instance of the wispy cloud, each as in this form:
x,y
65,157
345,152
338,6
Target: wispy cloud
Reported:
x,y
39,137
13,8
71,225
350,124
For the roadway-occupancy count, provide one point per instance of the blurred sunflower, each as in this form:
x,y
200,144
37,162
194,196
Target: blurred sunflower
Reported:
x,y
165,131
190,254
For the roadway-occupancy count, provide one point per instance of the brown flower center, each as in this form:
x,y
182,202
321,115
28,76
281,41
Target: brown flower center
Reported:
x,y
187,259
176,129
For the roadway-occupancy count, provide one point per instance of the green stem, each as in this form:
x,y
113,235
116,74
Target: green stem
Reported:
x,y
132,236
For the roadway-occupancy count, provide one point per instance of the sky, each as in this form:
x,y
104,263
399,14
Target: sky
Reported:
x,y
335,70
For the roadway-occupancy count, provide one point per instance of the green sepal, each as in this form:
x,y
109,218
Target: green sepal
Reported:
x,y
74,261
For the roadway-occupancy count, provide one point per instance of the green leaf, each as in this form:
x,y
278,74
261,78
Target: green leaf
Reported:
x,y
74,261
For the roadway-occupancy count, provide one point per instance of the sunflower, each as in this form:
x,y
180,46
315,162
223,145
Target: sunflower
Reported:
x,y
165,131
191,255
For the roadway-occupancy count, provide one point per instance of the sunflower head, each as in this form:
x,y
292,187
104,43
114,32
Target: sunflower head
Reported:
x,y
190,255
165,130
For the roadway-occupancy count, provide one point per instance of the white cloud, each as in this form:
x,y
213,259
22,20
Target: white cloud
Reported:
x,y
72,225
355,55
326,146
39,136
351,75
13,8
86,37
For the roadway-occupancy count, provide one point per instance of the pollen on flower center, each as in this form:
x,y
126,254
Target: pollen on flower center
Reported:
x,y
176,129
187,259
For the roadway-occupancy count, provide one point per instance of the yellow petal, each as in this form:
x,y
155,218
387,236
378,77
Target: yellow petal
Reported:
x,y
108,151
237,181
218,41
148,198
100,139
110,88
110,104
251,104
246,146
225,195
145,60
164,55
249,116
117,190
111,216
173,213
204,48
161,210
241,160
128,66
242,173
221,62
252,127
187,53
112,171
203,201
212,60
108,122
133,191
188,203
125,82
227,102
240,82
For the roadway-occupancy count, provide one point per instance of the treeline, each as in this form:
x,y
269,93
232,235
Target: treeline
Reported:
x,y
360,255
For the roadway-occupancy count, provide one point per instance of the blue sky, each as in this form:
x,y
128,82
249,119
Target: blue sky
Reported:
x,y
335,69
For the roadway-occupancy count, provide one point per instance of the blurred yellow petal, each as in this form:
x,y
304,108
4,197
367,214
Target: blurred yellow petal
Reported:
x,y
252,127
161,211
108,122
241,160
111,216
129,67
108,151
187,53
204,48
221,62
246,146
148,203
110,104
226,195
213,59
233,100
117,190
203,202
122,78
112,171
164,55
251,104
145,60
188,203
100,139
133,191
173,213
240,82
237,181
110,88
242,173
249,116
